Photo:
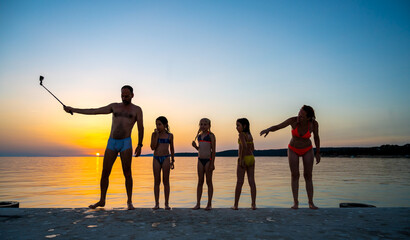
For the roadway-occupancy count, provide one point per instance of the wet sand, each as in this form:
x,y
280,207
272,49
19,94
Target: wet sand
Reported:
x,y
183,223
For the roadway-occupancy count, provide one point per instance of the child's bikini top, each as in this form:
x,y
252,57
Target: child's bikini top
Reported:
x,y
295,132
164,140
207,138
248,142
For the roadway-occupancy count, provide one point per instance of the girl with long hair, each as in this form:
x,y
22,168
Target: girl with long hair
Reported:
x,y
162,142
246,162
206,160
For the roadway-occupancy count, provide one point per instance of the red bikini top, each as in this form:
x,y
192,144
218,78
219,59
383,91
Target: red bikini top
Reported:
x,y
295,133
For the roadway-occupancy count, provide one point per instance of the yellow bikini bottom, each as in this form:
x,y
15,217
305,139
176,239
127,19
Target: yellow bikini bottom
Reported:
x,y
249,160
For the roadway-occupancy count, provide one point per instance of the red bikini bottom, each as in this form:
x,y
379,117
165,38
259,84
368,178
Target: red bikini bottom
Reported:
x,y
300,151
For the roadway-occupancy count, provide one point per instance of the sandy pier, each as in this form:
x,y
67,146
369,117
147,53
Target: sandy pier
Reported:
x,y
220,223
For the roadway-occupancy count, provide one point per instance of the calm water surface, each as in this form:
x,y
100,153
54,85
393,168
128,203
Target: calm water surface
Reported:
x,y
74,182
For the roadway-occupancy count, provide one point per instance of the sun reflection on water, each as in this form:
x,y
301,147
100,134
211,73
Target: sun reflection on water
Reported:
x,y
75,182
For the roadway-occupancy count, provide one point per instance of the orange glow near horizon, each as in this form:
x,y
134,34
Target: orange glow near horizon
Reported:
x,y
50,131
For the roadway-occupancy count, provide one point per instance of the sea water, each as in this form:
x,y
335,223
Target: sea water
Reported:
x,y
71,182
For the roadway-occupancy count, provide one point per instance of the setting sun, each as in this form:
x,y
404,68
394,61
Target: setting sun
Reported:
x,y
97,154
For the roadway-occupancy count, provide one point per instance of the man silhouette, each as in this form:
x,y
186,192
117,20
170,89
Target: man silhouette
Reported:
x,y
124,116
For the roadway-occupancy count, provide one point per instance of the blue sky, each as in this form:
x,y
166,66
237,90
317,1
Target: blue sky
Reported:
x,y
262,60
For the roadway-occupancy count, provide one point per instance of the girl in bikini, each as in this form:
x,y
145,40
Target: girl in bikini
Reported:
x,y
301,146
246,162
161,141
206,160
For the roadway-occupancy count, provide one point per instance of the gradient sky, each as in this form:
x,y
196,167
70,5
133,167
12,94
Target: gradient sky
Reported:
x,y
186,60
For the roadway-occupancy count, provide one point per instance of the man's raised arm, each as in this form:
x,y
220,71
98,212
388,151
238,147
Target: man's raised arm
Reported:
x,y
91,111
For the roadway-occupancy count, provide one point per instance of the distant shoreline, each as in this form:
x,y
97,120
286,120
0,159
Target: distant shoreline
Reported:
x,y
382,151
391,151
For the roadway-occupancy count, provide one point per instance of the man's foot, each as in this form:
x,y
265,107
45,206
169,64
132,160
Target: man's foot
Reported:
x,y
156,207
208,207
312,206
130,206
295,206
98,204
234,208
196,207
253,207
167,207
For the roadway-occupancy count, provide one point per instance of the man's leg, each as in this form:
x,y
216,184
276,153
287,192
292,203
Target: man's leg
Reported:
x,y
109,159
126,159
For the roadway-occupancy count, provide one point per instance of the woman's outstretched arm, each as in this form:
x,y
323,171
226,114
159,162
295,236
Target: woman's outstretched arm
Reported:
x,y
274,128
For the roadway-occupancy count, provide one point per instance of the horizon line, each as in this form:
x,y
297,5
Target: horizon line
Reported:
x,y
184,153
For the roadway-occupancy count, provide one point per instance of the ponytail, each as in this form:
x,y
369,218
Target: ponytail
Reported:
x,y
196,137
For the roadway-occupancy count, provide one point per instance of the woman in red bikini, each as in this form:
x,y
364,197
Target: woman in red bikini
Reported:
x,y
301,146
